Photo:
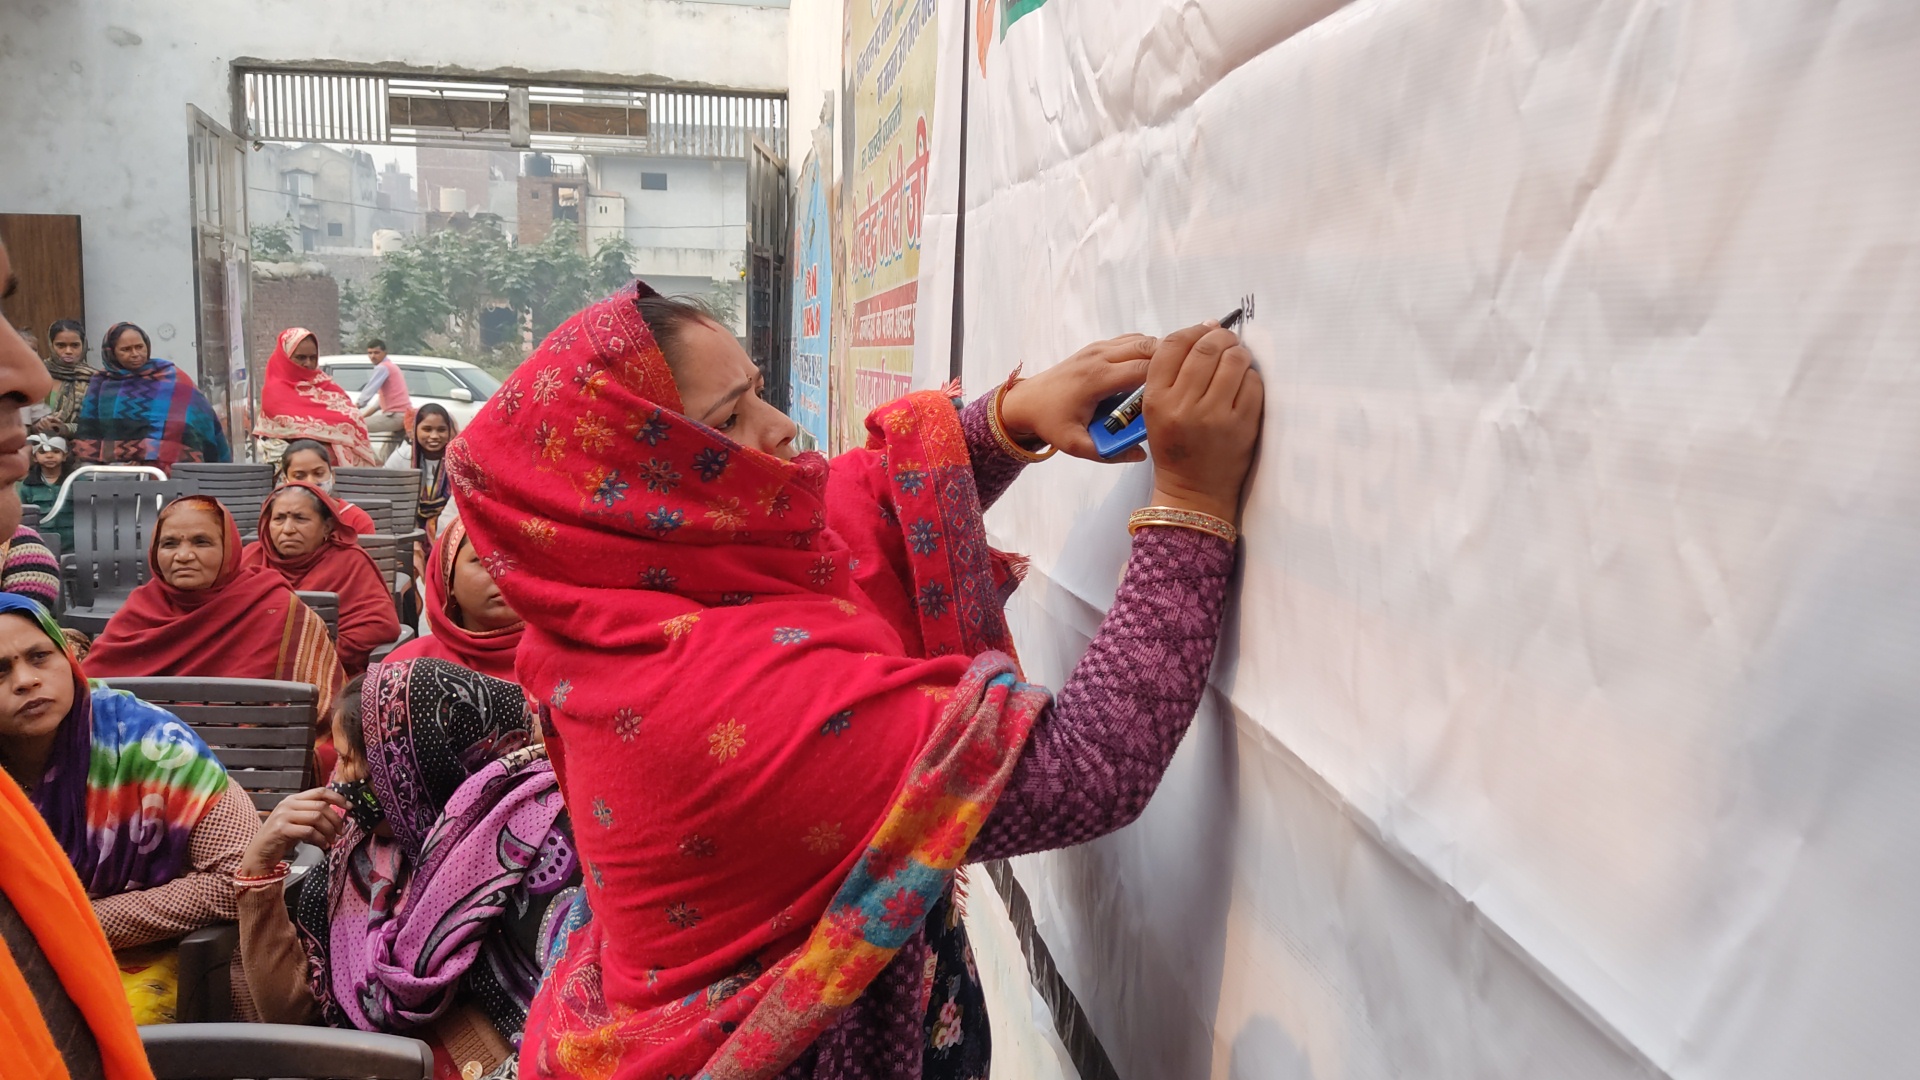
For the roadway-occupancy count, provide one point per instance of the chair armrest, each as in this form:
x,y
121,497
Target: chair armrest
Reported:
x,y
206,987
192,1051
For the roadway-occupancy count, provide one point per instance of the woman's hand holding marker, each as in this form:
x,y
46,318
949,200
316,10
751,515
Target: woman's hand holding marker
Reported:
x,y
1055,406
1203,407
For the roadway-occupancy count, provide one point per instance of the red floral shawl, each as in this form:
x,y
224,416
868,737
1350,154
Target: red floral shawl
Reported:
x,y
780,707
247,625
339,566
490,652
296,403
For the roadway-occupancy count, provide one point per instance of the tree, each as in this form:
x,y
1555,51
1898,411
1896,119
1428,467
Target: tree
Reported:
x,y
272,243
441,292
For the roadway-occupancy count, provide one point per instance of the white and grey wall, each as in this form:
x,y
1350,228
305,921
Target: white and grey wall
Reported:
x,y
94,97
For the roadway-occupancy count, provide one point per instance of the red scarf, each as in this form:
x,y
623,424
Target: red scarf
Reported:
x,y
761,692
229,630
340,566
297,403
489,652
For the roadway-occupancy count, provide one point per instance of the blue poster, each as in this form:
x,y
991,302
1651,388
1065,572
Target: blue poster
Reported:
x,y
812,305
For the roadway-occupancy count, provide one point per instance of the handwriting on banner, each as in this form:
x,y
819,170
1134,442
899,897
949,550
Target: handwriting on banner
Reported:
x,y
886,320
874,387
890,225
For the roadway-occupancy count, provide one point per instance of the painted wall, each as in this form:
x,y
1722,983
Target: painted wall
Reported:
x,y
93,97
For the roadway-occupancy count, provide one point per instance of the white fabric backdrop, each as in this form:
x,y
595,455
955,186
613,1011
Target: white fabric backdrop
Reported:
x,y
1565,724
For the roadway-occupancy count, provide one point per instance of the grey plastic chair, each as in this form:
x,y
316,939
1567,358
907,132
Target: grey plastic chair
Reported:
x,y
327,606
228,1051
241,488
114,510
380,510
400,485
262,730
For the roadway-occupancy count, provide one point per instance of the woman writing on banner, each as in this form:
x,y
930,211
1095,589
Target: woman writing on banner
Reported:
x,y
811,668
299,401
143,410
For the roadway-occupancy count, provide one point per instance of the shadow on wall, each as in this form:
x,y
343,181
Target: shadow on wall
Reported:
x,y
1161,943
1264,1051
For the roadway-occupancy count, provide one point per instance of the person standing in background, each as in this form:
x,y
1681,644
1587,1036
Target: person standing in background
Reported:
x,y
143,410
384,402
72,375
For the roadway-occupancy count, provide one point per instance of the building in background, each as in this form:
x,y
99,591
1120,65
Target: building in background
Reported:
x,y
329,195
685,216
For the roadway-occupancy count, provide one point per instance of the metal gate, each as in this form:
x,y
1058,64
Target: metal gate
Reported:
x,y
769,294
222,274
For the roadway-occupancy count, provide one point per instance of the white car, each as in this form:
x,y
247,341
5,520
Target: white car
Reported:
x,y
460,387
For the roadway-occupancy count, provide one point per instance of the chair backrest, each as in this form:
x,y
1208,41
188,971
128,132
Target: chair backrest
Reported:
x,y
385,549
194,1051
113,522
262,730
380,510
327,606
241,488
400,485
30,515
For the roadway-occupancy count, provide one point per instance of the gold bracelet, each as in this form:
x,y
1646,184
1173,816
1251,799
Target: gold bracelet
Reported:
x,y
1018,452
1174,517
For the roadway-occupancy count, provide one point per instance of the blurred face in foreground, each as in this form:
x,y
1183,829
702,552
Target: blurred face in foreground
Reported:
x,y
23,381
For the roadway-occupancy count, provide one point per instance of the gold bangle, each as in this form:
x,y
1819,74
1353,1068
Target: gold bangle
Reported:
x,y
1176,518
1018,452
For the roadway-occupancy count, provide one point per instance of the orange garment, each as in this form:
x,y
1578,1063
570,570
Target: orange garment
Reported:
x,y
41,885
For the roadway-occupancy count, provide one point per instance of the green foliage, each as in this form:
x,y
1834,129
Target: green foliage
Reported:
x,y
430,296
272,243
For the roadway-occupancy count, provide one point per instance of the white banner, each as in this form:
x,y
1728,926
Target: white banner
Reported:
x,y
1565,723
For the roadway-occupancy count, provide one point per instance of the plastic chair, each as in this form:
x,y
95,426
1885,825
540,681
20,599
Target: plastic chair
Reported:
x,y
114,511
260,729
327,606
380,510
401,485
225,1051
241,488
206,975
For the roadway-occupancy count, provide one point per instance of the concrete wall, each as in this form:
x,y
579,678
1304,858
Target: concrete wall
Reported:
x,y
93,97
814,50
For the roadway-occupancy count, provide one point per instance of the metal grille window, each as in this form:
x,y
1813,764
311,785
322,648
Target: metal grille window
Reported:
x,y
298,106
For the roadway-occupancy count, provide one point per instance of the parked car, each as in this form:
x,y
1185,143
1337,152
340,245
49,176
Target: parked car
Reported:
x,y
455,384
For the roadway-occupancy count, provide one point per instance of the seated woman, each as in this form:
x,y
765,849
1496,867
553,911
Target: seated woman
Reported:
x,y
432,430
308,462
146,814
300,401
784,689
49,469
304,538
205,612
441,892
143,410
29,569
471,622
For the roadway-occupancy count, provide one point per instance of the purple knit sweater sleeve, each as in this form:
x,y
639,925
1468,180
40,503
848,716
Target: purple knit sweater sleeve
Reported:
x,y
1097,754
994,470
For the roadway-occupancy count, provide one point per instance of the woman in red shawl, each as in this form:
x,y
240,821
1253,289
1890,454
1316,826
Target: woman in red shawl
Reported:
x,y
299,401
472,624
780,697
205,612
304,537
